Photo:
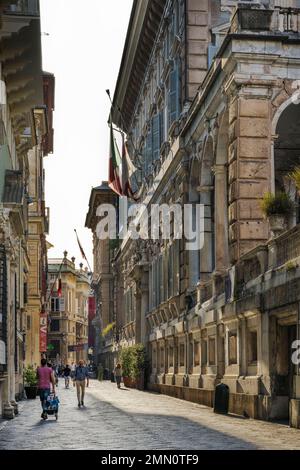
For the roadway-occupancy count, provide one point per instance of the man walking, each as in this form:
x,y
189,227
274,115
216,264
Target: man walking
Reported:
x,y
45,376
81,373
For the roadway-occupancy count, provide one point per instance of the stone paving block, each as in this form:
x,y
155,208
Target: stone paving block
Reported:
x,y
115,419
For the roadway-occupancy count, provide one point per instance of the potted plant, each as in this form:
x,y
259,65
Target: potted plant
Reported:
x,y
30,380
139,366
277,207
295,176
126,361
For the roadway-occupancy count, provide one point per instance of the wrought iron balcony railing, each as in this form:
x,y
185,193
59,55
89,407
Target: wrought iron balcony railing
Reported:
x,y
24,8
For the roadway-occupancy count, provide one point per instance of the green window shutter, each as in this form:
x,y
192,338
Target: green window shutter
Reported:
x,y
150,289
176,267
161,128
172,98
153,285
156,137
174,94
149,152
161,279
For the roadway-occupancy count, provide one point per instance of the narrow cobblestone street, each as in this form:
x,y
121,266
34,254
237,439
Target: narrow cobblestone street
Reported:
x,y
132,420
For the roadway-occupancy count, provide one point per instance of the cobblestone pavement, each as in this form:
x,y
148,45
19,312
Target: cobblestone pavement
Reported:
x,y
131,420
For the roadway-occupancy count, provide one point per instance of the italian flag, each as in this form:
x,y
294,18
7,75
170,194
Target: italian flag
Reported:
x,y
115,164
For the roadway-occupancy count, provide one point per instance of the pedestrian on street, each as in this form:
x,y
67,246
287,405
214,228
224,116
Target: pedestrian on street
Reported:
x,y
81,374
45,377
118,374
66,373
73,367
55,373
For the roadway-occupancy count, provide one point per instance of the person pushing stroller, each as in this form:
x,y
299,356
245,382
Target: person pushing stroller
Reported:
x,y
45,378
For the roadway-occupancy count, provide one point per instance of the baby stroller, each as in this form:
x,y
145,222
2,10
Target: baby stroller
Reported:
x,y
51,406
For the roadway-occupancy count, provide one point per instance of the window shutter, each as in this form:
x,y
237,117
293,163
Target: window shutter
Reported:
x,y
156,137
62,304
150,289
161,279
174,94
153,285
148,152
176,267
172,98
157,282
126,307
161,128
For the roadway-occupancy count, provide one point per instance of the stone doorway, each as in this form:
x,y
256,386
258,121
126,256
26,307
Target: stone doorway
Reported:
x,y
284,385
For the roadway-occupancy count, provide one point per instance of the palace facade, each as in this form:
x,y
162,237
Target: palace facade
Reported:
x,y
207,95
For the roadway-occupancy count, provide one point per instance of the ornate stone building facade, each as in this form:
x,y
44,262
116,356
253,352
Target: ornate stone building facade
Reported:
x,y
25,135
68,329
103,280
207,95
38,226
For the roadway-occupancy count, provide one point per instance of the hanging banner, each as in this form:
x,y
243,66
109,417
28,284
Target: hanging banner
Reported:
x,y
43,332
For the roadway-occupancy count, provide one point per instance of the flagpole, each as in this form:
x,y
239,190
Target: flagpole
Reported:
x,y
82,252
51,291
122,120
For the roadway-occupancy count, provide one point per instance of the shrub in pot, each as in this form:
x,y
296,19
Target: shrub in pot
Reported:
x,y
126,361
277,207
295,176
30,381
139,365
100,373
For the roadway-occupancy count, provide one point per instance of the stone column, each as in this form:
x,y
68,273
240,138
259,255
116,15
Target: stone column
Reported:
x,y
221,223
242,345
144,305
263,350
249,168
8,395
206,254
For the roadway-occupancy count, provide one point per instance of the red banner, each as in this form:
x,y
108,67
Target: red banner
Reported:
x,y
43,332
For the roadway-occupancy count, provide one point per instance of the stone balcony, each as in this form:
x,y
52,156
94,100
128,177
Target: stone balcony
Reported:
x,y
268,275
253,19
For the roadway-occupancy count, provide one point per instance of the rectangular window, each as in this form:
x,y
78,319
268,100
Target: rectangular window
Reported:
x,y
196,353
212,351
162,358
154,359
253,346
54,325
232,346
171,271
55,304
204,352
28,323
181,355
171,356
161,280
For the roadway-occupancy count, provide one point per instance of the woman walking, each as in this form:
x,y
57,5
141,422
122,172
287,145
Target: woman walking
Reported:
x,y
118,375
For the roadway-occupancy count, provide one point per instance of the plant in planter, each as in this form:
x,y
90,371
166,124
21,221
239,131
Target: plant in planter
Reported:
x,y
295,176
30,380
139,365
277,207
126,361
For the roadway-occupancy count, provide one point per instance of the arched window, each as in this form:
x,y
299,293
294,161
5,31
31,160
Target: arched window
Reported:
x,y
287,155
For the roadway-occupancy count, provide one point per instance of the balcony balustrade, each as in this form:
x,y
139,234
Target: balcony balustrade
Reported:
x,y
24,8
